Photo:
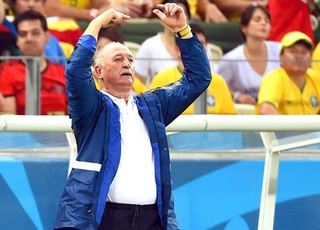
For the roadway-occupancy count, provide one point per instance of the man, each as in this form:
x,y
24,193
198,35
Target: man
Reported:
x,y
121,177
31,41
218,101
53,49
294,88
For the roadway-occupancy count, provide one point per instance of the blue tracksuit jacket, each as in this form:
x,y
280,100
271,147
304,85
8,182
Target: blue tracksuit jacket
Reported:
x,y
96,125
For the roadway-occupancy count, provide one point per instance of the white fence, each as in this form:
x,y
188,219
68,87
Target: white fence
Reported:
x,y
35,123
266,125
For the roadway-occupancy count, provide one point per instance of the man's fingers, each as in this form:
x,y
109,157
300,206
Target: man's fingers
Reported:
x,y
168,9
119,18
158,13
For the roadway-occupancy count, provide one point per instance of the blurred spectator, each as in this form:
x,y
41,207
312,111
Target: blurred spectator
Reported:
x,y
114,34
294,88
316,58
158,52
109,34
203,37
66,30
244,66
2,12
89,9
31,40
53,49
7,39
1,102
219,100
224,10
287,17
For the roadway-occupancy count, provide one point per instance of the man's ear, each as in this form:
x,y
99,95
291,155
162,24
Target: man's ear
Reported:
x,y
98,72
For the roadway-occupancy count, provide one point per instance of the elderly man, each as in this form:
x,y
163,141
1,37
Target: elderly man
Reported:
x,y
121,177
294,88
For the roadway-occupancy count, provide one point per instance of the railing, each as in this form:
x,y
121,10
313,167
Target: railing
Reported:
x,y
266,125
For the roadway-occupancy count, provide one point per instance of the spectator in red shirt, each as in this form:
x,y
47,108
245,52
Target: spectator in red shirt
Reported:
x,y
288,16
31,40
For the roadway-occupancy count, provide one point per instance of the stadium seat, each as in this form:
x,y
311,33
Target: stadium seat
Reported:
x,y
216,52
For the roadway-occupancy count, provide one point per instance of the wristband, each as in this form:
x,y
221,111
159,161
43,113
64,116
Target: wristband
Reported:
x,y
183,32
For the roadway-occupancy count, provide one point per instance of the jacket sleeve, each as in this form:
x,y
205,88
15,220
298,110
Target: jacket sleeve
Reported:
x,y
176,97
83,97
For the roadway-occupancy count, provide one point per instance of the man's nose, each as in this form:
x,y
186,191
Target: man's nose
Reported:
x,y
31,4
29,36
126,63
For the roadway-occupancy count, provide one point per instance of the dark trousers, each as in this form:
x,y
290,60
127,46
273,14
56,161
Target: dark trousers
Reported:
x,y
126,217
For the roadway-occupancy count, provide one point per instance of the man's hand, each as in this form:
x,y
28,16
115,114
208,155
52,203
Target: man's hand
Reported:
x,y
246,99
110,17
172,15
107,18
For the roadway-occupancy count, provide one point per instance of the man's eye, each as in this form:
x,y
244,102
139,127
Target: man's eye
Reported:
x,y
22,35
36,33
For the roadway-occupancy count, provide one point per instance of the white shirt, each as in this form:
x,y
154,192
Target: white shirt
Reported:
x,y
152,57
134,182
238,73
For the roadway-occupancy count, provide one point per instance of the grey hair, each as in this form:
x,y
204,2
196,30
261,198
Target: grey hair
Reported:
x,y
100,55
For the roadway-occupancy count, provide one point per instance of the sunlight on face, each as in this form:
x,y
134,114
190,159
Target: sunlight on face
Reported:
x,y
118,68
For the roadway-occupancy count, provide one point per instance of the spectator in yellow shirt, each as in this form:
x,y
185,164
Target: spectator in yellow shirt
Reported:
x,y
294,88
315,65
219,100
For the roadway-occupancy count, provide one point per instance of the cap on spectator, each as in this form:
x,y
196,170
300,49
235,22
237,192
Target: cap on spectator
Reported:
x,y
293,37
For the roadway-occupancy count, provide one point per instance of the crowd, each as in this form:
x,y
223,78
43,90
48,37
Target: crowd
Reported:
x,y
121,102
257,72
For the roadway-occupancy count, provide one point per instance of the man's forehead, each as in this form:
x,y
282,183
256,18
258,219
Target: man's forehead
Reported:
x,y
116,48
115,45
32,23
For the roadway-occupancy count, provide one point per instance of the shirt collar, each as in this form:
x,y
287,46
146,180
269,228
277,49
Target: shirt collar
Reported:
x,y
121,103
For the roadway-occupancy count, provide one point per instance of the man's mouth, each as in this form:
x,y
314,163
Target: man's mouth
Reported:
x,y
126,74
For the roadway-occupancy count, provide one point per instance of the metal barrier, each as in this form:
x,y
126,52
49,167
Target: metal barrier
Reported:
x,y
266,125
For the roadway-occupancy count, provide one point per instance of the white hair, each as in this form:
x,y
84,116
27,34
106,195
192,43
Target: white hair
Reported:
x,y
101,54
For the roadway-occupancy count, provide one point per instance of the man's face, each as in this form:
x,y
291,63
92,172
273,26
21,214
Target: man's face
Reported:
x,y
118,69
31,38
296,59
25,5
